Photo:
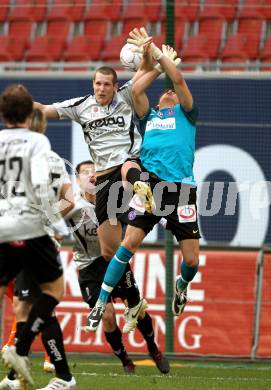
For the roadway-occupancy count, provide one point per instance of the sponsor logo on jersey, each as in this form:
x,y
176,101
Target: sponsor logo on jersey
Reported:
x,y
161,124
119,121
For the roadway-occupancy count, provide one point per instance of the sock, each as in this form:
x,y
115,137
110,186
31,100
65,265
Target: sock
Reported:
x,y
128,284
52,339
115,340
114,272
19,327
38,316
133,175
145,327
187,274
12,333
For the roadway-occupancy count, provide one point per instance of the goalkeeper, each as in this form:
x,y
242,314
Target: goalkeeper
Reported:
x,y
167,153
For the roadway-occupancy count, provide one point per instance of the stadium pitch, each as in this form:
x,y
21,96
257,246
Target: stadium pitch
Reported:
x,y
107,374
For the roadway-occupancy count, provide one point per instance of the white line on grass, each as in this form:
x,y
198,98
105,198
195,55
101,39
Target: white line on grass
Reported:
x,y
222,379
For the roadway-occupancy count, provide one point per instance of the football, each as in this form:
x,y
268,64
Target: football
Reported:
x,y
128,58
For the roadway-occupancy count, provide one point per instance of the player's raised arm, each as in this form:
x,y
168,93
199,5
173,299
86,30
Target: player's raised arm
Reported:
x,y
169,65
140,99
48,109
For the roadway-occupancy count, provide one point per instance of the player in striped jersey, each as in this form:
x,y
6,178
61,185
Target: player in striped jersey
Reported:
x,y
107,120
92,267
24,244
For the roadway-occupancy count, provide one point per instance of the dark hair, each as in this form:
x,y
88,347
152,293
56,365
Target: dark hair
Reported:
x,y
78,166
16,104
107,70
38,121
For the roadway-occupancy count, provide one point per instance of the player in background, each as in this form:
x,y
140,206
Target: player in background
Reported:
x,y
24,244
92,267
167,153
26,289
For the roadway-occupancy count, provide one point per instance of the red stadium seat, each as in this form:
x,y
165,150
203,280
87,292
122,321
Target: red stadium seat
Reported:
x,y
252,9
96,11
112,48
109,10
187,10
78,10
34,10
5,54
20,29
95,28
12,48
22,10
4,10
61,9
266,10
58,28
201,46
39,10
250,26
223,9
153,10
114,9
241,46
135,9
211,27
84,48
45,48
179,34
130,24
265,56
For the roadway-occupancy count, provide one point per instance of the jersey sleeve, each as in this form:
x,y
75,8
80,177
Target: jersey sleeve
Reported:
x,y
65,178
69,109
126,93
191,115
142,122
39,167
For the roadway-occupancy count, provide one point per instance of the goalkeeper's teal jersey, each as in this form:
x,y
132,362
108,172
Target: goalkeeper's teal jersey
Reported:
x,y
168,146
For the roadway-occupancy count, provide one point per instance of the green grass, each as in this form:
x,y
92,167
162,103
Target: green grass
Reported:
x,y
106,374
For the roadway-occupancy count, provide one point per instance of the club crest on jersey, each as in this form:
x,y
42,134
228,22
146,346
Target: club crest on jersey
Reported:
x,y
94,109
171,112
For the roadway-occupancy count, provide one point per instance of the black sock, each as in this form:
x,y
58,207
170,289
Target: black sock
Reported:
x,y
133,175
19,326
39,314
52,339
144,325
128,283
115,340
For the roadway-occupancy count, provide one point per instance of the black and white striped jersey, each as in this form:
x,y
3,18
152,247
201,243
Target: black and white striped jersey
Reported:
x,y
24,179
109,131
58,177
83,223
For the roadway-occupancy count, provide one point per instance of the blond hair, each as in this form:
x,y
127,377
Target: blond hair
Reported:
x,y
38,121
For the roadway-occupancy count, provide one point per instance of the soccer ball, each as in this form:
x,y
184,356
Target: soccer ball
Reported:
x,y
128,58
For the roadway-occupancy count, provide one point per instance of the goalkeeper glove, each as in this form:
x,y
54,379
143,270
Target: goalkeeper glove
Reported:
x,y
139,38
171,54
